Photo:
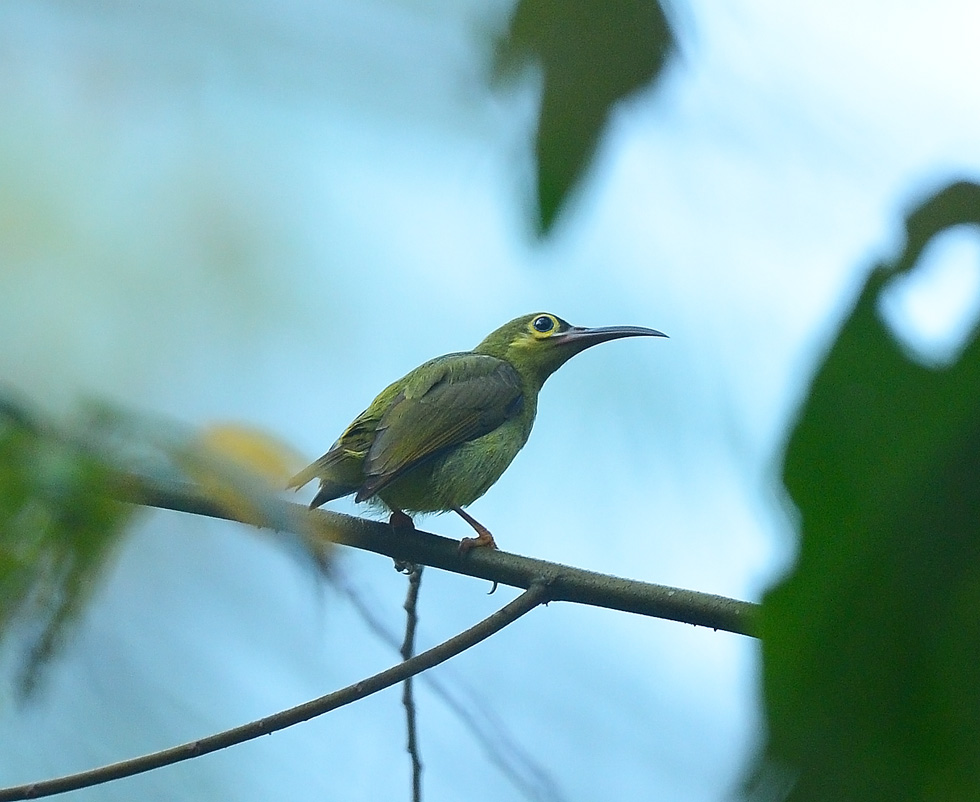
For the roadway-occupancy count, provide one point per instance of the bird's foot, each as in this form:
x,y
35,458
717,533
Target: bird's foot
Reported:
x,y
483,537
483,541
400,520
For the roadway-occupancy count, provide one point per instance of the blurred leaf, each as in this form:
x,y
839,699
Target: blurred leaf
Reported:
x,y
58,528
242,469
593,54
871,646
60,522
254,449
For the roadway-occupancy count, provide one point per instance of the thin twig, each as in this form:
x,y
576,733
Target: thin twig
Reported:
x,y
321,527
537,594
408,698
492,735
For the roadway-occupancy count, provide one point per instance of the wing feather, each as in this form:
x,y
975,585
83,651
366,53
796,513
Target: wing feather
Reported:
x,y
457,398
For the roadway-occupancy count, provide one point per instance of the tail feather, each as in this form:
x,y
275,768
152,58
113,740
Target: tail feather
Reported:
x,y
329,488
319,469
329,491
304,477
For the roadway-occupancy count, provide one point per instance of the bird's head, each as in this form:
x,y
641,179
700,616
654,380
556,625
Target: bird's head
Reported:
x,y
538,344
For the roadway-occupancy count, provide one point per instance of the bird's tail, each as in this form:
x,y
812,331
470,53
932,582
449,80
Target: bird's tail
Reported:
x,y
304,477
329,491
329,488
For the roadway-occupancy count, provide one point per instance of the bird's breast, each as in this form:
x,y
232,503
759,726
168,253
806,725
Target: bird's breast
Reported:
x,y
459,475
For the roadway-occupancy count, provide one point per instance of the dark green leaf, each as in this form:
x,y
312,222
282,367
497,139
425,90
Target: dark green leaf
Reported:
x,y
593,54
872,645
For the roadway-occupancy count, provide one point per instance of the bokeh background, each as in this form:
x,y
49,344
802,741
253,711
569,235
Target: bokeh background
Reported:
x,y
264,212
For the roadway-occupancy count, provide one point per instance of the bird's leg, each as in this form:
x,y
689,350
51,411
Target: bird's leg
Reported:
x,y
483,538
400,520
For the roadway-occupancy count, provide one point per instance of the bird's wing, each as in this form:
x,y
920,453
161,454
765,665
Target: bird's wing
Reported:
x,y
352,444
446,402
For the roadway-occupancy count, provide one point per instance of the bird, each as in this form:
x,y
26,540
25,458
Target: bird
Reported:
x,y
438,438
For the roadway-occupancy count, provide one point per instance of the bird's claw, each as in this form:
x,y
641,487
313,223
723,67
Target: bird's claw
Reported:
x,y
483,541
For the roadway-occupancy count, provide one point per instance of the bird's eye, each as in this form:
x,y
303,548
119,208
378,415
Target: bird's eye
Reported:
x,y
543,324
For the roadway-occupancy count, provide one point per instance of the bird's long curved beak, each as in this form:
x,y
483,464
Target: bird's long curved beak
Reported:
x,y
581,338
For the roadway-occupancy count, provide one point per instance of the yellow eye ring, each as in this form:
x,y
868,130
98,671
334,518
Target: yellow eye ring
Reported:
x,y
543,326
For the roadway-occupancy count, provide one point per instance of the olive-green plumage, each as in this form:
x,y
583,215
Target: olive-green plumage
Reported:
x,y
439,437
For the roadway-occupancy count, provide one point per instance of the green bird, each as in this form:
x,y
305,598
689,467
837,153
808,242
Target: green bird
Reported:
x,y
439,437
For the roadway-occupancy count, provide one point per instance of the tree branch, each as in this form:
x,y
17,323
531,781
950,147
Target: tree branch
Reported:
x,y
320,527
538,593
532,779
408,697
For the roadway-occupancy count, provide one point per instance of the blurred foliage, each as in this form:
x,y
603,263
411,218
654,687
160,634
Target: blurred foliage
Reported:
x,y
240,468
264,455
872,645
593,55
57,529
61,520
